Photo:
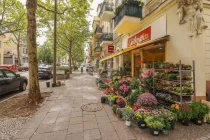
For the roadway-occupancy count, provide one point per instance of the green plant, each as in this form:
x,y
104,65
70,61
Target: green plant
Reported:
x,y
119,111
184,113
155,122
132,98
114,108
134,84
128,113
199,110
104,86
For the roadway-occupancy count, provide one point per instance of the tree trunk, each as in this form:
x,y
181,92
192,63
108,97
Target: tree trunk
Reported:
x,y
70,60
18,53
34,89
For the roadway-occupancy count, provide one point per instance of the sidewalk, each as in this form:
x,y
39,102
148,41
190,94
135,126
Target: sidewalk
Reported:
x,y
61,118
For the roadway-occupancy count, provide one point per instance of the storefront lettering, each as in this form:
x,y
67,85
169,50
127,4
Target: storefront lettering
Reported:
x,y
141,37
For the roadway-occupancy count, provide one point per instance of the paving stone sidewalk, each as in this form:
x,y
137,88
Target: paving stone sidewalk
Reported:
x,y
61,118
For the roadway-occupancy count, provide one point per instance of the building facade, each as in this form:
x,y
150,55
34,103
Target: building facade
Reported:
x,y
162,30
10,51
2,49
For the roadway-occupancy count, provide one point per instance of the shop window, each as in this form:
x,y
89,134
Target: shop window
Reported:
x,y
153,55
126,70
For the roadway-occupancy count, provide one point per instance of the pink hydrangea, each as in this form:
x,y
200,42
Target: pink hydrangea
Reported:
x,y
124,88
148,73
146,99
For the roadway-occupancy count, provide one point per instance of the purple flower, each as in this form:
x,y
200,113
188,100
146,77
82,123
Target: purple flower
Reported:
x,y
146,99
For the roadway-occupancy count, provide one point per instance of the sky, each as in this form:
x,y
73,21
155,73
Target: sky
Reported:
x,y
93,13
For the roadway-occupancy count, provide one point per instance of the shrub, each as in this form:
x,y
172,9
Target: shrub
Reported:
x,y
199,110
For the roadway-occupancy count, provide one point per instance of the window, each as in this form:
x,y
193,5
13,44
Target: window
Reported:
x,y
9,74
1,74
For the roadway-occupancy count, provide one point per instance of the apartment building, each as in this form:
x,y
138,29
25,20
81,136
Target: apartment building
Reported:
x,y
166,30
11,53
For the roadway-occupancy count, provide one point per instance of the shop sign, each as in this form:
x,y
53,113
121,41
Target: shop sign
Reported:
x,y
141,37
110,49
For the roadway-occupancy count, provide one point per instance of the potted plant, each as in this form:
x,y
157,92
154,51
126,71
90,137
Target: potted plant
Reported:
x,y
199,110
140,116
147,99
171,117
155,124
114,108
128,115
184,114
119,112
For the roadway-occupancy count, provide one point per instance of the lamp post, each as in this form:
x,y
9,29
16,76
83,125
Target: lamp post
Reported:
x,y
54,50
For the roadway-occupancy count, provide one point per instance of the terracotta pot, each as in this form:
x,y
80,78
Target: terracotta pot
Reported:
x,y
119,116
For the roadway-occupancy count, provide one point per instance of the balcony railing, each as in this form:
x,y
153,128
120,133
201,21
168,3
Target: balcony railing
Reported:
x,y
106,37
106,6
128,10
98,30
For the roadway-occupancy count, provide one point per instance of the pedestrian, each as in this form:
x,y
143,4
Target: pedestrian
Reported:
x,y
81,69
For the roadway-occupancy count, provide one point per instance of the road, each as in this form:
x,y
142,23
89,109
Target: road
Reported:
x,y
8,95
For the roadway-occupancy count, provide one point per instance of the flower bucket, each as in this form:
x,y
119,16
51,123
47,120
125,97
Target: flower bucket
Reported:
x,y
110,104
197,121
154,132
103,99
142,124
128,123
173,124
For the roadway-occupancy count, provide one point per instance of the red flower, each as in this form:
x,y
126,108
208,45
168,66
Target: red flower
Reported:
x,y
135,107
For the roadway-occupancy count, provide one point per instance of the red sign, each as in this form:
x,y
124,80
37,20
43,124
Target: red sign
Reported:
x,y
139,38
110,49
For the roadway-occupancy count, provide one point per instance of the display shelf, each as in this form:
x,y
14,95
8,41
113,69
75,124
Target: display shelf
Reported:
x,y
174,70
179,82
176,81
169,92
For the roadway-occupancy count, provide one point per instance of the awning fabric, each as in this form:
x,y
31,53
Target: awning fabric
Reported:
x,y
165,38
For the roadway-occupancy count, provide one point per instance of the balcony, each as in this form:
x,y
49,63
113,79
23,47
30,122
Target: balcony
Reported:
x,y
107,11
127,19
106,39
98,31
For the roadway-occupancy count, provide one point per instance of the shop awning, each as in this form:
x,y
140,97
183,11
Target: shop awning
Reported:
x,y
165,38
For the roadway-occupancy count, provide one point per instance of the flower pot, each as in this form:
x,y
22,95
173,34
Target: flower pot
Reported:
x,y
185,122
110,104
119,116
165,132
128,123
197,121
114,111
154,132
173,124
103,99
48,84
142,124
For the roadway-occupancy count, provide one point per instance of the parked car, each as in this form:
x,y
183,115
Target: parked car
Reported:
x,y
45,72
10,81
24,67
